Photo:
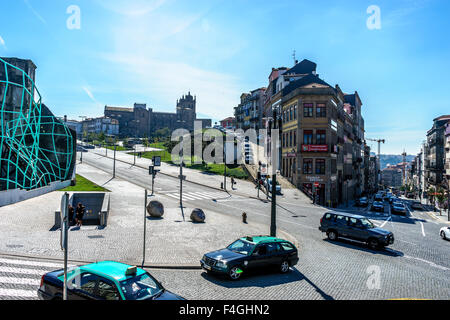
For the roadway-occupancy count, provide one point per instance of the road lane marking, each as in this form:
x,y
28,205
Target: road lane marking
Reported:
x,y
31,263
423,231
387,220
22,281
428,262
22,271
18,293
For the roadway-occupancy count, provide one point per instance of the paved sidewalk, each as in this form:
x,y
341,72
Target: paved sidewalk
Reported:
x,y
25,229
429,209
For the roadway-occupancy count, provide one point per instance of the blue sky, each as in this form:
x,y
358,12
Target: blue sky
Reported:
x,y
154,51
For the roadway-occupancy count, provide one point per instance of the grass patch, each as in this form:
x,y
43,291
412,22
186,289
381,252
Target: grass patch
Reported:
x,y
85,185
118,148
158,145
237,173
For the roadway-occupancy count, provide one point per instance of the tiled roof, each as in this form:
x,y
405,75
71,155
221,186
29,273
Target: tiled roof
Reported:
x,y
309,79
304,67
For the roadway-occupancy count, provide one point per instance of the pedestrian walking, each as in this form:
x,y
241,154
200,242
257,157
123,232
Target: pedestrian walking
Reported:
x,y
79,214
232,183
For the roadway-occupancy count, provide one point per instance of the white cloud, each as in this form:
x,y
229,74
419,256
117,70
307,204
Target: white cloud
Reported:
x,y
92,97
35,12
217,93
165,55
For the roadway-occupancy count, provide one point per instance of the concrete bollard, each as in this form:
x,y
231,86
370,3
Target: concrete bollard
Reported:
x,y
155,209
198,215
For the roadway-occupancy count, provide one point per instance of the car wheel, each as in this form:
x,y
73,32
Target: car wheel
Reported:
x,y
373,244
284,267
443,235
235,273
332,235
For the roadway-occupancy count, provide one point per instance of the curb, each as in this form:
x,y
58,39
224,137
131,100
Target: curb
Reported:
x,y
147,266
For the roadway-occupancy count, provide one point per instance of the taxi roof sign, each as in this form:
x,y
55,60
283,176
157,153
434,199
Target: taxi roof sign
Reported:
x,y
131,271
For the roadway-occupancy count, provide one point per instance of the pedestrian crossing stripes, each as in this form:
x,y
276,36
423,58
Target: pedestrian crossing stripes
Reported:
x,y
192,196
20,278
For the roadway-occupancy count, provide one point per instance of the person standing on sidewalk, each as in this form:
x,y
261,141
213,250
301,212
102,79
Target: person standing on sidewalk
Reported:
x,y
79,214
232,183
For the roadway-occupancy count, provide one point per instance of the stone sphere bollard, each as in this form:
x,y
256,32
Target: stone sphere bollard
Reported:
x,y
198,215
155,209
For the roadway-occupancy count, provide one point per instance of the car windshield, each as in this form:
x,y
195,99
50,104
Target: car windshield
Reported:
x,y
140,287
242,247
367,224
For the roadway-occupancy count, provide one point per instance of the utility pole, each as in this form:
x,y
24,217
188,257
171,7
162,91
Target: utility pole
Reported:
x,y
181,179
114,165
276,124
379,141
134,163
225,168
64,236
145,228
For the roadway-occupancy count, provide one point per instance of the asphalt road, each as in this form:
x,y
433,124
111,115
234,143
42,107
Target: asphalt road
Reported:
x,y
417,265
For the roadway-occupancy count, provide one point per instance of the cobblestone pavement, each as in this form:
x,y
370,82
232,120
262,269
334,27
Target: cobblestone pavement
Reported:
x,y
417,265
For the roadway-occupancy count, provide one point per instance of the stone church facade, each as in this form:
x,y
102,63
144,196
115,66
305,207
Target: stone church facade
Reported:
x,y
141,121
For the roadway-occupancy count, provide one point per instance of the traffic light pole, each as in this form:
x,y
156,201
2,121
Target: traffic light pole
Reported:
x,y
181,182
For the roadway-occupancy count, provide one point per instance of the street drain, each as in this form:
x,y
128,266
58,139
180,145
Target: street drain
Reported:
x,y
95,237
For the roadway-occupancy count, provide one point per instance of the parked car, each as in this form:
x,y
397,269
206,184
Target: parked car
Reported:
x,y
445,233
106,280
398,208
250,253
344,225
362,202
416,205
378,197
377,206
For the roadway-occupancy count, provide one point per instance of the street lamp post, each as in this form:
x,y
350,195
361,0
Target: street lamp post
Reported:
x,y
276,124
114,165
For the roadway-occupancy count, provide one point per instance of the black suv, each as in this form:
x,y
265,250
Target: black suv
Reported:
x,y
355,227
250,253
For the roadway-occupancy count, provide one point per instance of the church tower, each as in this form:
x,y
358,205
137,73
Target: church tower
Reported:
x,y
186,112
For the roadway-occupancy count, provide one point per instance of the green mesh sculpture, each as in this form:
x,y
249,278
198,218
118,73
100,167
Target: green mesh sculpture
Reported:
x,y
36,148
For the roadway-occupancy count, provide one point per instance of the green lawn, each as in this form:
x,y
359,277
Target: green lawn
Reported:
x,y
118,148
85,185
218,169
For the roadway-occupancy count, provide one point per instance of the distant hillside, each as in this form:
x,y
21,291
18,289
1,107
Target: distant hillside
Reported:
x,y
392,159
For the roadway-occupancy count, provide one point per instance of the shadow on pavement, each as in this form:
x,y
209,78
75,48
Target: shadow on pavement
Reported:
x,y
263,278
363,247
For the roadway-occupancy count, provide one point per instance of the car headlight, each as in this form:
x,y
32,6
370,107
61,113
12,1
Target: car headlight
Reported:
x,y
221,264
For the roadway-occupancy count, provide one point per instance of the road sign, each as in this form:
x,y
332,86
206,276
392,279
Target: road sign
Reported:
x,y
157,161
151,170
182,177
316,184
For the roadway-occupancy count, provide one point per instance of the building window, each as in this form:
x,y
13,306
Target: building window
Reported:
x,y
291,113
308,137
295,112
308,110
295,138
321,137
320,166
321,110
290,139
307,166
